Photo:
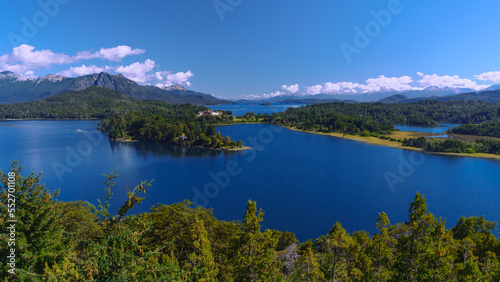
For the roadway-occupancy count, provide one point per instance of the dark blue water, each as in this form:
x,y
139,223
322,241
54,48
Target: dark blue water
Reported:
x,y
304,182
241,109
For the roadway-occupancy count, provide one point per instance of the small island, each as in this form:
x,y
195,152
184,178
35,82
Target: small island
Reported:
x,y
182,125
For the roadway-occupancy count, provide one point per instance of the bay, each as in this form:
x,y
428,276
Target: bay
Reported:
x,y
304,182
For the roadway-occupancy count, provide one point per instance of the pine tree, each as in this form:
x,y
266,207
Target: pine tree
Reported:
x,y
118,254
411,245
470,272
255,260
438,263
201,261
382,249
307,267
338,243
39,236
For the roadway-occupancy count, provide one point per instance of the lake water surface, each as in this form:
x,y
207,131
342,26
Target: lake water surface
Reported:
x,y
241,109
441,129
304,182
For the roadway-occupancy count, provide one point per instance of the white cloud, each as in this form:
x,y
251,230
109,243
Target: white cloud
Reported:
x,y
292,88
493,76
313,90
84,70
383,83
115,54
3,59
138,71
26,55
263,96
168,78
25,60
27,75
449,81
19,69
372,85
388,83
340,87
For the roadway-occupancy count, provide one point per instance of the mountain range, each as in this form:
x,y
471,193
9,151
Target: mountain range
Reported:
x,y
15,88
492,96
431,92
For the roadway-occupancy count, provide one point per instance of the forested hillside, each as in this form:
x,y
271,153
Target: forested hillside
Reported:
x,y
425,113
491,129
76,241
93,102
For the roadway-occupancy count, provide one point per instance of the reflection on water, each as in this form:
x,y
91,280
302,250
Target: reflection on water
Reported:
x,y
146,149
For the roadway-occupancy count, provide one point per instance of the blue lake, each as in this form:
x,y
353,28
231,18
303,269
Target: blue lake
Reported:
x,y
441,129
241,109
304,182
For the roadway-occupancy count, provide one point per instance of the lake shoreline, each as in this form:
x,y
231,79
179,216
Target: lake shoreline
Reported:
x,y
123,140
396,145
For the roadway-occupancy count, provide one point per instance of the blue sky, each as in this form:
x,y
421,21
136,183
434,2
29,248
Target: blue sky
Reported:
x,y
243,48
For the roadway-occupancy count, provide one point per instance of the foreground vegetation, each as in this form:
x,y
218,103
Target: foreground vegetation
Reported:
x,y
76,241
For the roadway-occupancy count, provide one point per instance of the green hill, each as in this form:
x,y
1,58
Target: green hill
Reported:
x,y
93,102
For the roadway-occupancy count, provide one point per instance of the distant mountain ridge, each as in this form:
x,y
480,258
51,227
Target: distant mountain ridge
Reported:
x,y
486,96
493,87
15,88
431,91
491,95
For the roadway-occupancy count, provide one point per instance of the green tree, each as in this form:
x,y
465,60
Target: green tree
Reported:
x,y
307,267
79,222
255,259
411,245
171,230
39,237
382,249
338,243
439,256
118,254
201,261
